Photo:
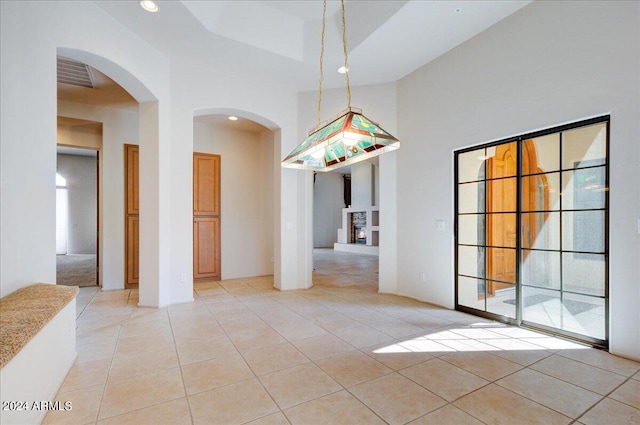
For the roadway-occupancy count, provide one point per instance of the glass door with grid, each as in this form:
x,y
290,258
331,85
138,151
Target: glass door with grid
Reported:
x,y
531,230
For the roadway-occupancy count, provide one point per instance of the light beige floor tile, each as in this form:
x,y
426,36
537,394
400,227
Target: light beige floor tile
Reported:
x,y
485,365
143,342
444,379
426,321
91,353
336,409
83,375
142,328
523,357
199,332
352,368
396,399
296,331
447,415
126,395
232,404
395,328
637,376
215,373
422,344
298,384
171,412
558,395
603,360
277,357
140,363
320,347
361,336
552,343
84,407
578,373
273,419
334,322
496,405
396,356
256,338
609,412
628,393
205,349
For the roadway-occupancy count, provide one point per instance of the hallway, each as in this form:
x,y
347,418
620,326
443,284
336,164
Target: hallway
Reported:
x,y
337,353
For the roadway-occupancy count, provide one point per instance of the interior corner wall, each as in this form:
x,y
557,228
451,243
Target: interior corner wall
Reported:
x,y
378,103
119,127
547,64
246,243
81,174
328,202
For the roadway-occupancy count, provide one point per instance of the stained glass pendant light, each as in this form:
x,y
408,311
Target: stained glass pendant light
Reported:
x,y
348,139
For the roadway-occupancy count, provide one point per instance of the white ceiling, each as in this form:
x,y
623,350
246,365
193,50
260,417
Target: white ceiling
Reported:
x,y
281,39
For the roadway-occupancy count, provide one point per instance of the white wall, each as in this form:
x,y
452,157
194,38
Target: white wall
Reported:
x,y
549,63
81,174
328,201
362,181
246,218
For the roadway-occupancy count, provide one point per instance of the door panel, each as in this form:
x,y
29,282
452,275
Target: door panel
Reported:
x,y
206,217
206,185
206,237
133,249
132,215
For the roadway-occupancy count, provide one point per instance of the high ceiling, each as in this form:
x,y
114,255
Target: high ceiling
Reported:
x,y
281,39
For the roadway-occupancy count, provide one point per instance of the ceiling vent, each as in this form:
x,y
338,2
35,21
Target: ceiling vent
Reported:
x,y
74,73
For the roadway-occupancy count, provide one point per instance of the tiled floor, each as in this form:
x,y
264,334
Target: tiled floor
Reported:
x,y
338,353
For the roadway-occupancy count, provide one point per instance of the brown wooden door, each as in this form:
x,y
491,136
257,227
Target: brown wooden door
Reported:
x,y
501,225
132,215
206,217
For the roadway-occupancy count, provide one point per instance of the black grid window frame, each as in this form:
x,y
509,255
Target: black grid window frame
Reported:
x,y
518,320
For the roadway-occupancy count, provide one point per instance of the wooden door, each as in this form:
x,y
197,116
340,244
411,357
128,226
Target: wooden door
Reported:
x,y
206,217
132,215
501,223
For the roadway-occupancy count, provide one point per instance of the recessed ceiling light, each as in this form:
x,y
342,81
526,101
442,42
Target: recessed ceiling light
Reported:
x,y
149,5
343,70
458,9
233,118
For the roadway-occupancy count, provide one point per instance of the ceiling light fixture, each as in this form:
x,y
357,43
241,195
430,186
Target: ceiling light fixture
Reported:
x,y
345,140
233,118
343,70
149,5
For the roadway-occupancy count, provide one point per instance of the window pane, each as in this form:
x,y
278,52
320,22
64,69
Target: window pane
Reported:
x,y
541,154
583,231
541,192
501,195
501,264
470,198
503,300
541,268
584,315
471,229
584,146
501,230
541,306
502,160
583,189
541,230
471,166
584,273
471,292
471,261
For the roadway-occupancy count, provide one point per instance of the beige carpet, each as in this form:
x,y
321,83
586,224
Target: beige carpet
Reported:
x,y
76,270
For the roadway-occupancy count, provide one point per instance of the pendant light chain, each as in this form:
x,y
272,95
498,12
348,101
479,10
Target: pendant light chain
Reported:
x,y
324,14
344,47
